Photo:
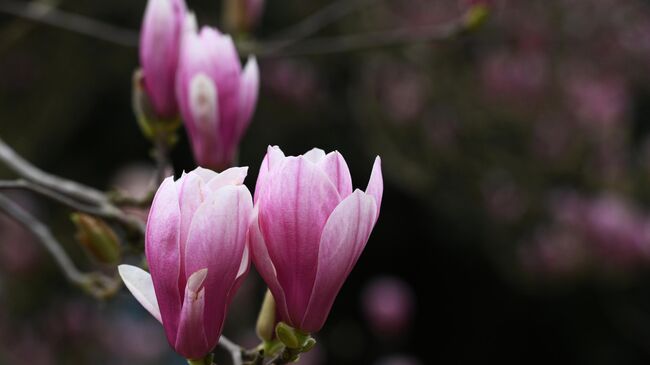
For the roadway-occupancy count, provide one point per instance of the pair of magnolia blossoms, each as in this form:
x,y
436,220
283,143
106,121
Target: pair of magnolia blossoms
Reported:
x,y
305,230
198,75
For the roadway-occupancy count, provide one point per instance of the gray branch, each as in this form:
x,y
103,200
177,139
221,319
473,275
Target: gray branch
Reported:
x,y
71,193
50,15
97,284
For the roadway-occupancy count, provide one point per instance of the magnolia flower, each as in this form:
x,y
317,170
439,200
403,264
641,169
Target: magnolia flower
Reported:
x,y
196,249
159,47
216,97
389,305
309,229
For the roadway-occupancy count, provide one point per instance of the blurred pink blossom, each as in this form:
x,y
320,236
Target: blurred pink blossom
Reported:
x,y
136,181
27,345
504,199
389,306
19,250
514,75
600,102
607,232
293,80
145,341
398,360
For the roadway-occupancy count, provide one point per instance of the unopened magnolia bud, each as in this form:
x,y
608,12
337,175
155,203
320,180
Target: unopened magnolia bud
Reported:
x,y
152,126
241,16
99,240
160,41
476,15
266,318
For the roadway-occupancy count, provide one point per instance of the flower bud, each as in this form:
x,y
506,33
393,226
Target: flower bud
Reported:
x,y
266,319
242,16
99,240
150,124
197,253
477,13
216,97
305,207
160,38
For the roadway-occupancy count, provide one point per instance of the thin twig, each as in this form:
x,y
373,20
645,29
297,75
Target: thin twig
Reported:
x,y
234,349
293,44
312,24
97,284
370,40
48,14
161,156
28,185
68,192
42,232
31,173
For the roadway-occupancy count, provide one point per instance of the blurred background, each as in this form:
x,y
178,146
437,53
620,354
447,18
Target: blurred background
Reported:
x,y
515,224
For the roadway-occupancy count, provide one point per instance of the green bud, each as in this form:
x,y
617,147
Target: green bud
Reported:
x,y
153,127
266,318
476,16
97,237
237,16
309,344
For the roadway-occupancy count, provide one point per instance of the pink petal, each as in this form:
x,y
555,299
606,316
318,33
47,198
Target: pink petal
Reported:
x,y
294,206
274,156
231,176
162,251
191,195
242,273
314,155
140,285
376,184
216,241
344,237
248,94
205,174
191,341
337,169
265,267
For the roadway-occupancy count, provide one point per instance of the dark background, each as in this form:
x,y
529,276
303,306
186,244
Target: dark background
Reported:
x,y
516,166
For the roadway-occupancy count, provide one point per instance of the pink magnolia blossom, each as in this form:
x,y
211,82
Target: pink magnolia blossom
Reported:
x,y
254,9
159,47
216,97
389,305
309,229
196,249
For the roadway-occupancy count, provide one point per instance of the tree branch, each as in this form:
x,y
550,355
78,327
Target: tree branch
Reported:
x,y
365,41
97,284
289,42
48,14
234,349
65,191
312,24
28,185
31,173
